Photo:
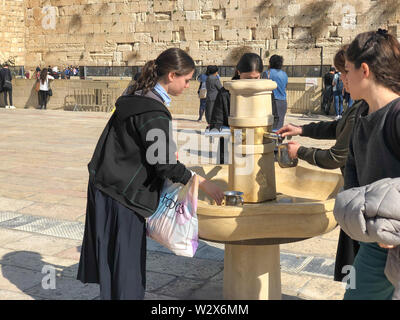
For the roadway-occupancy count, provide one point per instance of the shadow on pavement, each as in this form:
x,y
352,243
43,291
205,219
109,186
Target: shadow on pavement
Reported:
x,y
28,273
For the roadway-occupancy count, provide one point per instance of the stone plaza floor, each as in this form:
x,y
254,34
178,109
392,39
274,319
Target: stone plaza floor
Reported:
x,y
43,179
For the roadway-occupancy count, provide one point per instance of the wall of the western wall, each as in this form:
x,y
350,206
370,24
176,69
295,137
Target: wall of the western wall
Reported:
x,y
12,31
129,32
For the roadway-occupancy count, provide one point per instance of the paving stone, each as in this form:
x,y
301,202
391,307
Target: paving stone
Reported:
x,y
314,246
213,289
210,252
73,253
320,266
154,296
292,283
45,245
9,235
7,204
18,279
66,289
182,266
12,295
36,262
182,288
5,253
21,220
56,211
70,230
322,289
292,262
155,280
8,215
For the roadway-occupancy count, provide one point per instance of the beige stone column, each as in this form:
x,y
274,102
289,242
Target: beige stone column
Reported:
x,y
252,272
252,169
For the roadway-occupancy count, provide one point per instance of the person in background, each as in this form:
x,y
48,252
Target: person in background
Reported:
x,y
202,93
327,90
44,88
6,79
125,182
338,95
279,105
213,86
37,73
332,158
250,66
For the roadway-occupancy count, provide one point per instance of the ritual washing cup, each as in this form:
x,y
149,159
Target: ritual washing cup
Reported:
x,y
284,160
233,198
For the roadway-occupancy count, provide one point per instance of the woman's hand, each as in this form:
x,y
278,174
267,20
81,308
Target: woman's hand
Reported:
x,y
293,147
290,130
386,246
211,189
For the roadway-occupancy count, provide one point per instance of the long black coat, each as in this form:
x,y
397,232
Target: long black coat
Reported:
x,y
220,113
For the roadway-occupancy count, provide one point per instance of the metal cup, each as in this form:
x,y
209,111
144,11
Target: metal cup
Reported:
x,y
233,198
283,157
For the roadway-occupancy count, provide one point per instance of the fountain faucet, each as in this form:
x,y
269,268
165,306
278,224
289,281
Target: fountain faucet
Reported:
x,y
282,154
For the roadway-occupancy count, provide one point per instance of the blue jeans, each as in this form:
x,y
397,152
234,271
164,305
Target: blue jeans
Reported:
x,y
338,102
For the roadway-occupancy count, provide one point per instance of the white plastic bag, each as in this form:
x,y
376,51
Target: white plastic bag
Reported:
x,y
174,224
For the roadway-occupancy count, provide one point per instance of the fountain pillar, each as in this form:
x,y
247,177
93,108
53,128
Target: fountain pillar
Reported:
x,y
252,171
252,168
261,262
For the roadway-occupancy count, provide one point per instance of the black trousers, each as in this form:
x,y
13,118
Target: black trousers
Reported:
x,y
113,251
9,91
346,252
42,98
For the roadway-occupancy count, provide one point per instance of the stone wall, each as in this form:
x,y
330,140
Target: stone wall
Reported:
x,y
12,31
130,32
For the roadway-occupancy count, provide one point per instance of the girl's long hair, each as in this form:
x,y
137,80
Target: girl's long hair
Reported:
x,y
171,60
43,75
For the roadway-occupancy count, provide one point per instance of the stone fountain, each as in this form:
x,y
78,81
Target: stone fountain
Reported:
x,y
280,205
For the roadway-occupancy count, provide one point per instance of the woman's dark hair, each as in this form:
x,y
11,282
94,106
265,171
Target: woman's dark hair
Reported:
x,y
276,62
381,52
339,59
249,62
171,60
43,75
211,70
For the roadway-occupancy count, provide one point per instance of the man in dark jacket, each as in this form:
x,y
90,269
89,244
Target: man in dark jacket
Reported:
x,y
327,95
6,85
213,86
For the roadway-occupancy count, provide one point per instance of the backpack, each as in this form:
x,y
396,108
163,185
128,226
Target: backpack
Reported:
x,y
339,84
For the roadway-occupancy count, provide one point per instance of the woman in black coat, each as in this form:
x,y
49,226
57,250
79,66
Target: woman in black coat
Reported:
x,y
213,86
126,178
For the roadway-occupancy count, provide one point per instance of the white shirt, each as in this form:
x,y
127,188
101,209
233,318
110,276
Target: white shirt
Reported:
x,y
335,80
45,86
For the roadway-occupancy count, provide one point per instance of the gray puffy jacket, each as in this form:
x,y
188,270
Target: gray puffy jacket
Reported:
x,y
372,214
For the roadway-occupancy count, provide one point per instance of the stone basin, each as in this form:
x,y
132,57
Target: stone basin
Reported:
x,y
252,233
303,208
